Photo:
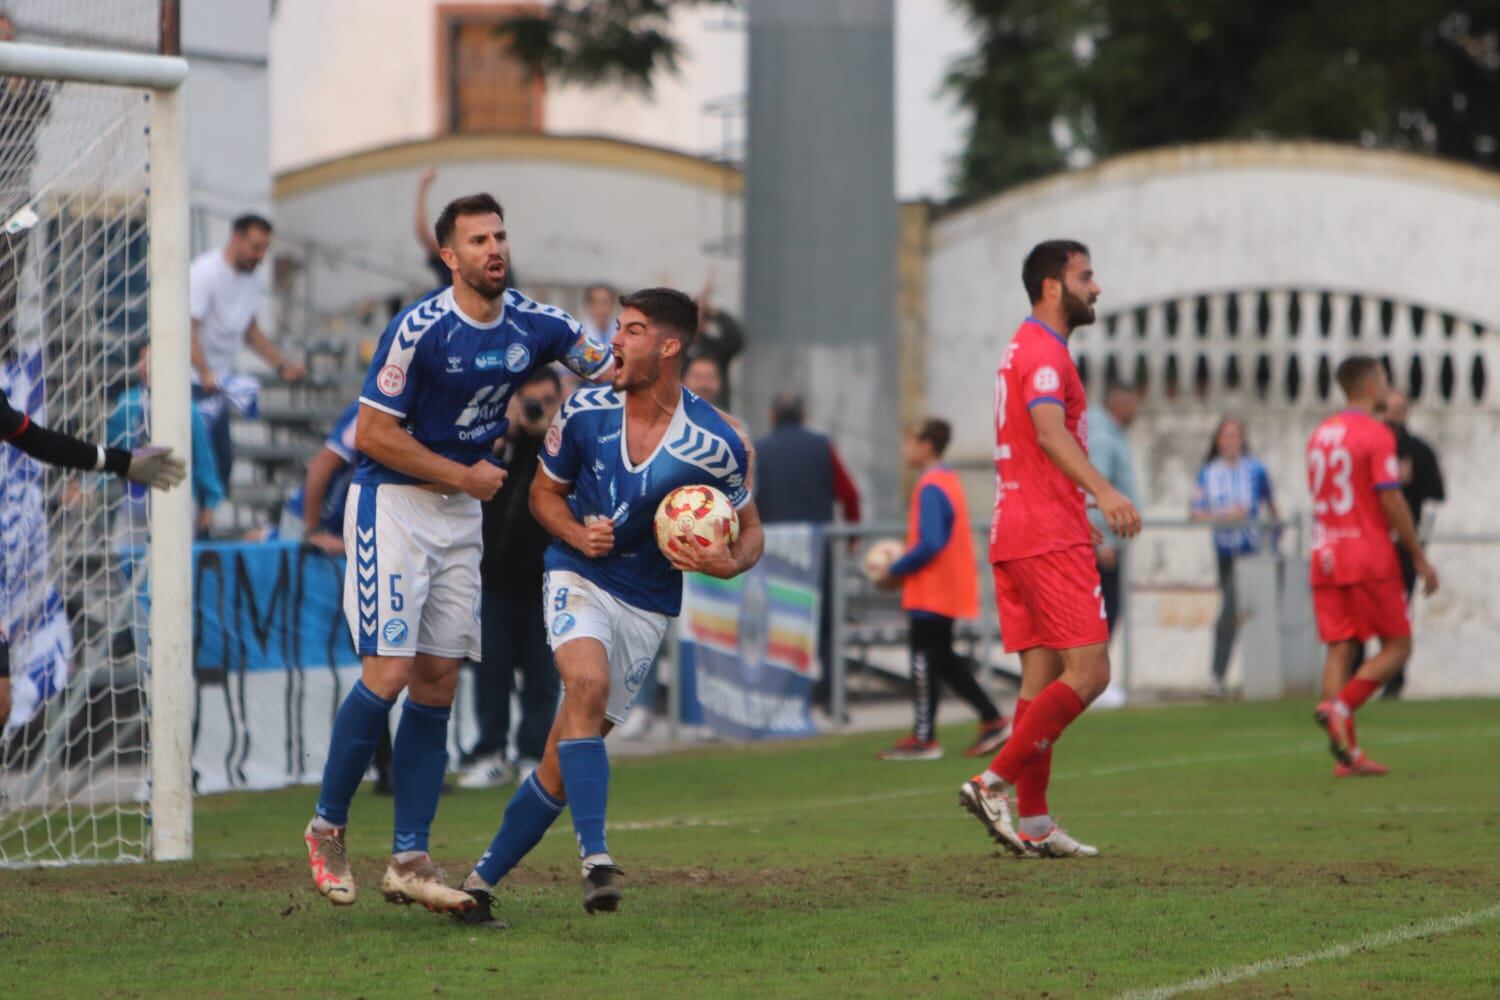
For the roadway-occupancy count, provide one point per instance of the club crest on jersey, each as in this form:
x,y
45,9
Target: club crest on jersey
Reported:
x,y
563,624
394,631
517,357
1045,379
391,380
553,441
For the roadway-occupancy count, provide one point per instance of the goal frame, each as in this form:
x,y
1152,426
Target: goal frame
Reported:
x,y
170,556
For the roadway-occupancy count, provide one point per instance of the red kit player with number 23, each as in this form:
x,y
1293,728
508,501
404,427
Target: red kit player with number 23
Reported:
x,y
1357,589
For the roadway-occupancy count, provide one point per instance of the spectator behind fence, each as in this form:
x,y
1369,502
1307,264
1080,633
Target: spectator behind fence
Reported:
x,y
720,338
129,428
599,312
426,236
1421,484
513,636
702,379
798,478
1232,486
1109,450
223,297
315,512
939,581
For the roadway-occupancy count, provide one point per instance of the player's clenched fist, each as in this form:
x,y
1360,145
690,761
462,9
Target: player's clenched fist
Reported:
x,y
598,537
1124,520
483,480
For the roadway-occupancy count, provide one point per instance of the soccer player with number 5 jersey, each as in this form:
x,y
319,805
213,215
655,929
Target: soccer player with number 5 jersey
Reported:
x,y
1042,548
1355,481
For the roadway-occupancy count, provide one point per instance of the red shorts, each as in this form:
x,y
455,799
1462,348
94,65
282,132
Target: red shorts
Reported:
x,y
1360,611
1051,600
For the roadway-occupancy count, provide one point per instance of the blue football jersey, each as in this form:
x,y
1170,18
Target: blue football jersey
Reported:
x,y
340,441
585,447
448,378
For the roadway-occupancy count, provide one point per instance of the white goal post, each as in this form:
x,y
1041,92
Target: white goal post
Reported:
x,y
169,563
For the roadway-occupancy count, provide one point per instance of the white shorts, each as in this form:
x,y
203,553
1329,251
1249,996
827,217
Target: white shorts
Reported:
x,y
412,581
577,608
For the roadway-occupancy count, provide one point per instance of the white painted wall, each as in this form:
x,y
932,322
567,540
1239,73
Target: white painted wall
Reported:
x,y
349,75
1174,223
570,224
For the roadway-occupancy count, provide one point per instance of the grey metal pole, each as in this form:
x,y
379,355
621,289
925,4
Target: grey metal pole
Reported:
x,y
674,692
837,677
1127,635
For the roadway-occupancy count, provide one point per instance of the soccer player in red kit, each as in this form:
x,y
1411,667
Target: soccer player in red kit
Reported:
x,y
1042,548
1358,593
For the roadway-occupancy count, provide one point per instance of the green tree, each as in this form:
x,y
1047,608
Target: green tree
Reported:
x,y
1053,82
594,42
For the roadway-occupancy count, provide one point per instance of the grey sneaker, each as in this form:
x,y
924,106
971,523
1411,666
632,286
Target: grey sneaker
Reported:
x,y
330,864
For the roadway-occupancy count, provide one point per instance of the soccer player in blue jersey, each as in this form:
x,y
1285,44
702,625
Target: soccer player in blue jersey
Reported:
x,y
609,459
432,406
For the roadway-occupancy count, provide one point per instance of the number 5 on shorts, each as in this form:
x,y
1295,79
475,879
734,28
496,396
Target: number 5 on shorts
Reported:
x,y
397,601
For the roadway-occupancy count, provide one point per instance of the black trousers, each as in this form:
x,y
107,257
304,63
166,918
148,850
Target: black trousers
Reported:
x,y
1409,580
513,637
933,660
1109,589
1227,628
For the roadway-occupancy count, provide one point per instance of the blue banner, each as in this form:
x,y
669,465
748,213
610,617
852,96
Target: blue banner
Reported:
x,y
753,641
268,606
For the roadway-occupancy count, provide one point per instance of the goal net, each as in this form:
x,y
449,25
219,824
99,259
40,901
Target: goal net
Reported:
x,y
75,327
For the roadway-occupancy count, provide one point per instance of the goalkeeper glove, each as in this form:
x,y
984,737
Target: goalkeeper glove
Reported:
x,y
156,467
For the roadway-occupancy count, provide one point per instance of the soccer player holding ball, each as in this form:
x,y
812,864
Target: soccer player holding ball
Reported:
x,y
1041,545
1355,481
610,459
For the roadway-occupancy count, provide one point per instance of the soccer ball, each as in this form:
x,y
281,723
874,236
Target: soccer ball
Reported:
x,y
879,556
689,514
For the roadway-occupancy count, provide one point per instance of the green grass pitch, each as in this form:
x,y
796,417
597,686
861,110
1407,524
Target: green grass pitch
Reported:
x,y
813,870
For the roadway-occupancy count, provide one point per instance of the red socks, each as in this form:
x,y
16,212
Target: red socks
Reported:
x,y
1357,692
1031,786
1036,730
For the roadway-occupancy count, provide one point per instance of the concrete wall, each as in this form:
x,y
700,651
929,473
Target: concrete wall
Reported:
x,y
1212,222
578,210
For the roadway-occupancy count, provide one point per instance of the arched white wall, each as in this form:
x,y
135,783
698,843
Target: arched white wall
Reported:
x,y
1172,224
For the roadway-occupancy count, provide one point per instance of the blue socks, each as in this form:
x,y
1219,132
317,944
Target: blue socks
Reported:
x,y
356,730
585,774
527,818
419,759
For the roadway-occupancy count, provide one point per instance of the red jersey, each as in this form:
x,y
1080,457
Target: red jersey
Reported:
x,y
1351,457
1037,508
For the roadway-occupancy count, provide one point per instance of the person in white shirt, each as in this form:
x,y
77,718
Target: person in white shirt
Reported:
x,y
223,297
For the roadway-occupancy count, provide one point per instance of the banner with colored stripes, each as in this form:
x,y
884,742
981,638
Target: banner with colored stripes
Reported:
x,y
753,640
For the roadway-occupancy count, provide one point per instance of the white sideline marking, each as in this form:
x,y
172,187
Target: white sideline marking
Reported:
x,y
1433,927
